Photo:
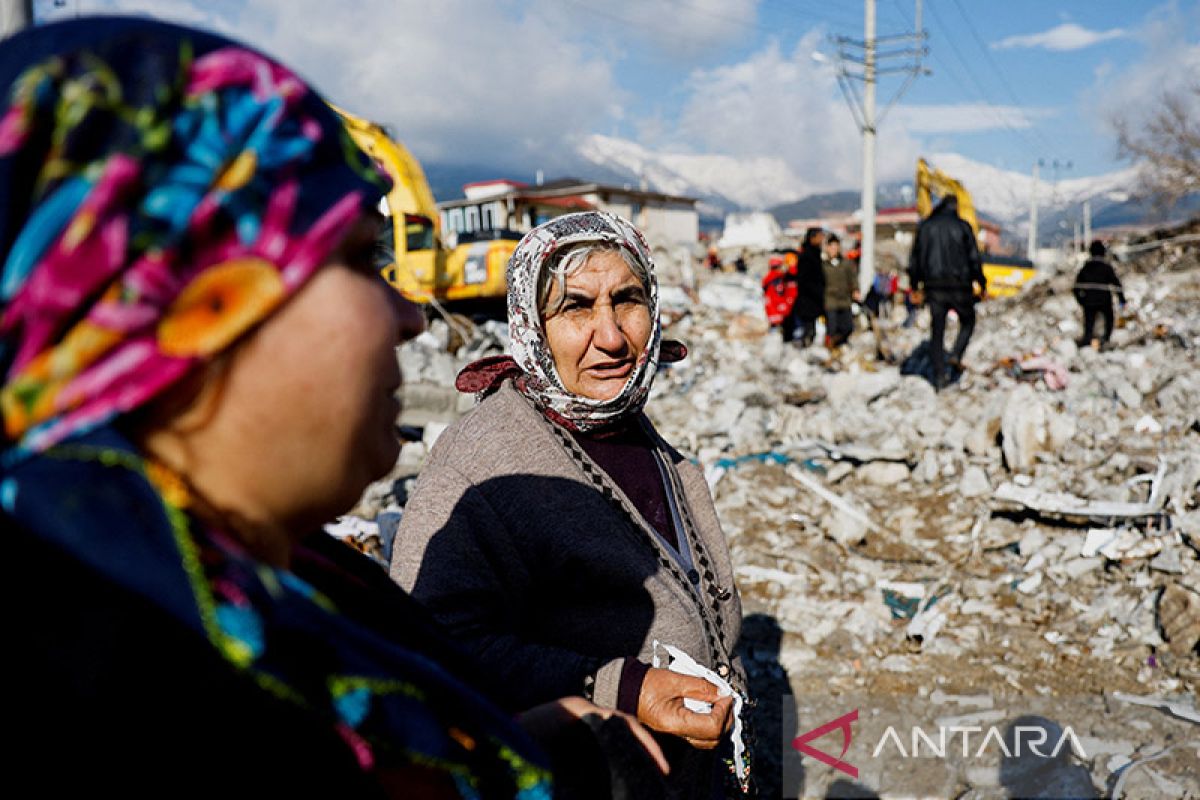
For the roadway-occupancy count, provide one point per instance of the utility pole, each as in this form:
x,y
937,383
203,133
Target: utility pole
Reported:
x,y
864,110
866,264
1087,222
1033,216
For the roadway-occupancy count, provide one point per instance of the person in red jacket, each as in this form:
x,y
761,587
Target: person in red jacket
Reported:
x,y
779,291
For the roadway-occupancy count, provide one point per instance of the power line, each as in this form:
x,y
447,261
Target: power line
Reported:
x,y
1024,133
1027,141
987,51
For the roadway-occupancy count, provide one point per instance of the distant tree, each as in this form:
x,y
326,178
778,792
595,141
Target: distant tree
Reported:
x,y
1166,147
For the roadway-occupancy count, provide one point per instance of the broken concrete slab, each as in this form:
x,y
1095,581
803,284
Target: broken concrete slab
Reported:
x,y
1179,617
1063,504
1023,426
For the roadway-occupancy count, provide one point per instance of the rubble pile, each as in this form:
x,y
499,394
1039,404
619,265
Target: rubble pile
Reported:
x,y
1033,530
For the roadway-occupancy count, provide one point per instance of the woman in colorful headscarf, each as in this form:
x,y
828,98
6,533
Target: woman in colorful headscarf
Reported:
x,y
198,370
555,532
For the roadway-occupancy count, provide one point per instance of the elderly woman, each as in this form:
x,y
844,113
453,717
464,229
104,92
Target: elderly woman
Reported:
x,y
554,531
198,370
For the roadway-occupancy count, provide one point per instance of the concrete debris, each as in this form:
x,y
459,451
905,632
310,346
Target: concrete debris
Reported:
x,y
1179,708
1147,424
1155,784
926,624
838,502
1064,504
974,482
1179,618
365,535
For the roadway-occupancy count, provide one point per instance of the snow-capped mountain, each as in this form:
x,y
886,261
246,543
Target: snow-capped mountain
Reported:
x,y
733,184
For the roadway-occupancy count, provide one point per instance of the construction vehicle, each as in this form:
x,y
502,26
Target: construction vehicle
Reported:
x,y
1005,274
468,277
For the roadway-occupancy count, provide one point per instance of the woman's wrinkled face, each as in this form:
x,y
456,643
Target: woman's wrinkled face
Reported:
x,y
601,327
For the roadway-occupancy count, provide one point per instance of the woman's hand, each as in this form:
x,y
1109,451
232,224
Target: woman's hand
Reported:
x,y
660,706
546,721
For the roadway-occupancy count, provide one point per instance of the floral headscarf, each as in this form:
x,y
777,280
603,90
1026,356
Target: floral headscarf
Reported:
x,y
532,364
148,223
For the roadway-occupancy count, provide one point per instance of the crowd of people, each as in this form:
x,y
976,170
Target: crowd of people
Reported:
x,y
817,282
945,273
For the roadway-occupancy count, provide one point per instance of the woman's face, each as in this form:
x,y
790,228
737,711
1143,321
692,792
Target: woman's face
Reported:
x,y
600,329
306,416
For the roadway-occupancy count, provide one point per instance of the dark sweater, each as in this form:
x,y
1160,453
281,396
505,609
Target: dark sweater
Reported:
x,y
1090,284
626,455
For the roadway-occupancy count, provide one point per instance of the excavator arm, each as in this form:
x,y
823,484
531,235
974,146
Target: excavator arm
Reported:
x,y
933,182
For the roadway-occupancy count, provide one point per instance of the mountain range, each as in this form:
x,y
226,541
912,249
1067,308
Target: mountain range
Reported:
x,y
724,184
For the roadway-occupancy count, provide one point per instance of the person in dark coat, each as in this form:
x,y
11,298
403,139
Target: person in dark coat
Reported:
x,y
944,265
810,298
1094,287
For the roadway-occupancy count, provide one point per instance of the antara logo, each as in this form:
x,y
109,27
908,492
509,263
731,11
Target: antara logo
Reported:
x,y
801,743
1032,737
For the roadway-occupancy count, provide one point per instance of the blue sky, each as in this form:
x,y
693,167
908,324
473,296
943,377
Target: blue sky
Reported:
x,y
519,83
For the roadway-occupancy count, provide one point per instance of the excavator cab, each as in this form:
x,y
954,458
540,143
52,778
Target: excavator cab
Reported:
x,y
411,255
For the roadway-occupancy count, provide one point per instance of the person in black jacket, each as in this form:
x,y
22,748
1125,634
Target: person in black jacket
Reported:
x,y
801,323
944,265
1094,287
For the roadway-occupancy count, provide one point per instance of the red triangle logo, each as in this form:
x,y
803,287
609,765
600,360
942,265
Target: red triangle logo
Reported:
x,y
842,723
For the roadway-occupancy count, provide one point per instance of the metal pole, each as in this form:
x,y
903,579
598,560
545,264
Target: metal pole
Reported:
x,y
1087,223
866,269
15,15
1033,220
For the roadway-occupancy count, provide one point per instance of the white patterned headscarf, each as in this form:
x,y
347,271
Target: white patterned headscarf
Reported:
x,y
532,363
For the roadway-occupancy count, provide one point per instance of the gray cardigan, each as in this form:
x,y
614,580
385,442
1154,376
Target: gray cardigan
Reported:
x,y
517,542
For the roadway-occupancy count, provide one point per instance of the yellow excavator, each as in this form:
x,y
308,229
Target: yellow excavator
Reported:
x,y
1005,274
421,267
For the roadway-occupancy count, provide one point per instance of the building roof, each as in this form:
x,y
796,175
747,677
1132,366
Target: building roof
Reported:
x,y
572,201
564,187
495,182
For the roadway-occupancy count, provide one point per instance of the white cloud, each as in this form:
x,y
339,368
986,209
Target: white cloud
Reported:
x,y
678,30
786,106
966,117
1170,63
501,84
518,85
1067,36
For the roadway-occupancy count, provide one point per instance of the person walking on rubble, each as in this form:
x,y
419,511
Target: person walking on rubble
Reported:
x,y
945,266
841,292
810,295
1094,287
